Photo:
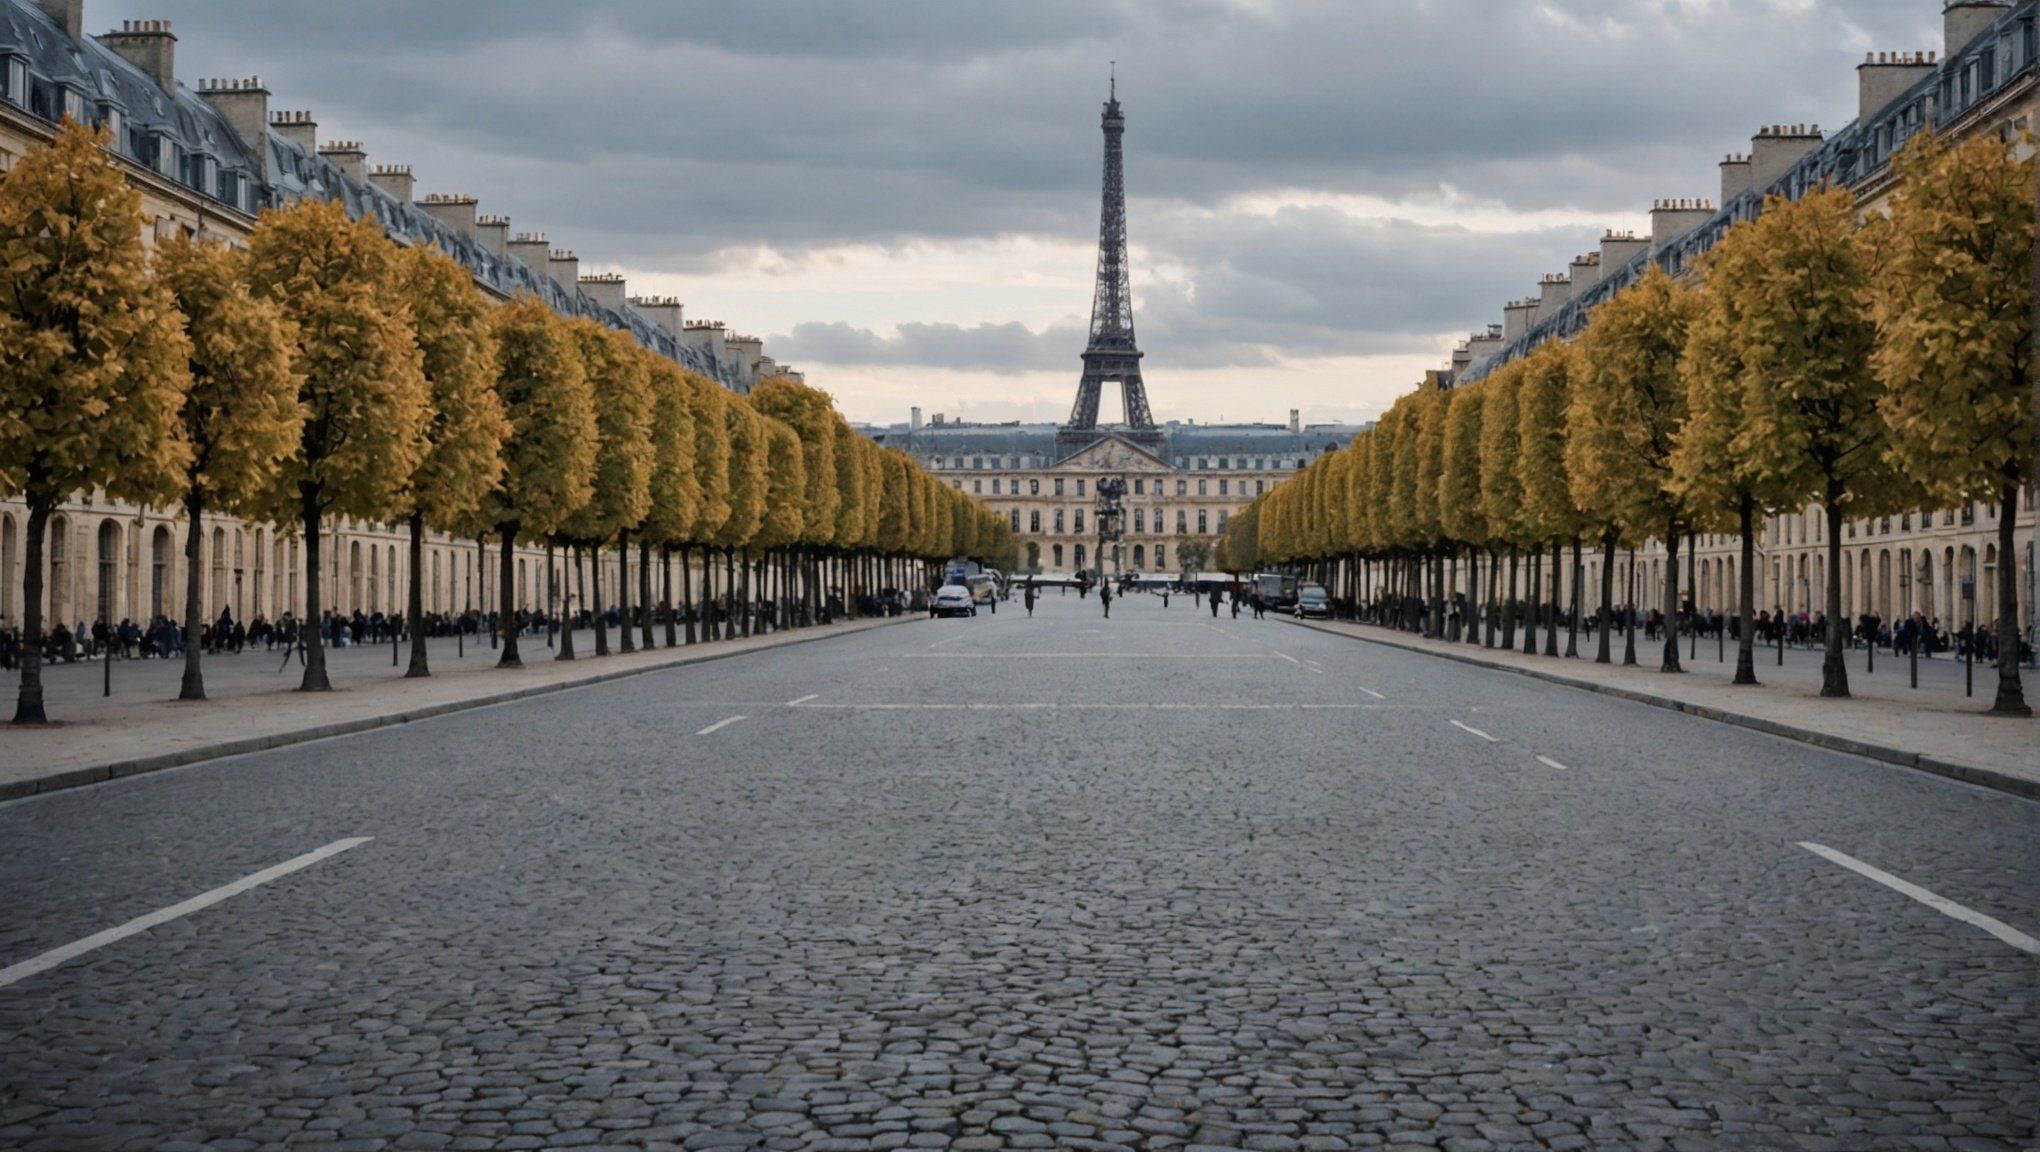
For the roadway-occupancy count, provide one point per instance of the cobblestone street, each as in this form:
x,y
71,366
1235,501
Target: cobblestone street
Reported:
x,y
1151,882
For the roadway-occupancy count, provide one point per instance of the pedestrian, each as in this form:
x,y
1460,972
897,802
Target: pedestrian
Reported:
x,y
1105,598
1214,603
1029,597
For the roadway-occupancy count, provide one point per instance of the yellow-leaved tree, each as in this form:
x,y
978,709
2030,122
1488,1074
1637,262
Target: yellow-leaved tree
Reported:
x,y
676,488
240,414
1501,490
361,382
712,474
1811,428
1628,404
1955,349
621,382
549,456
455,332
92,355
1459,491
1549,514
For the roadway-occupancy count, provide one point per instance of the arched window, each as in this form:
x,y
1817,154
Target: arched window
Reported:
x,y
1140,557
109,568
159,571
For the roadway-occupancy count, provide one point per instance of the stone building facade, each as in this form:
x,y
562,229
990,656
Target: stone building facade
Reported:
x,y
1203,475
1941,562
207,159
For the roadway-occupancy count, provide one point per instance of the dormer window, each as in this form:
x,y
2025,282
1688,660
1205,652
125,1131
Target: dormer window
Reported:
x,y
169,157
74,106
205,175
14,79
115,124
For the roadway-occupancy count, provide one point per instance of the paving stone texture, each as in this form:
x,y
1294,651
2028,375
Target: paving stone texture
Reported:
x,y
1159,882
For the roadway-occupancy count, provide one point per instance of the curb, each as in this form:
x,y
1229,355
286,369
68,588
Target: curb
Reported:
x,y
1966,773
120,769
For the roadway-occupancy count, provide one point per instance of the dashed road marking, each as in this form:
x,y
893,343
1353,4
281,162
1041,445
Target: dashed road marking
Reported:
x,y
139,924
720,724
1094,707
1941,904
1373,693
1548,762
1476,732
804,699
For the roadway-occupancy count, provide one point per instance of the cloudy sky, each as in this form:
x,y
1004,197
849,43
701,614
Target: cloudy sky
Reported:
x,y
902,195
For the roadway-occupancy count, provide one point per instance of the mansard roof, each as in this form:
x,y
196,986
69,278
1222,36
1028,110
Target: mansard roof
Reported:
x,y
1181,441
153,116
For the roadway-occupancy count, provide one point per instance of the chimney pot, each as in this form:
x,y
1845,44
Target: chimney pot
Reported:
x,y
149,46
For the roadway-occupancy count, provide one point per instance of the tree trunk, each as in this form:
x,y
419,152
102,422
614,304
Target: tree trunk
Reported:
x,y
644,570
506,600
1671,609
596,605
28,706
1746,590
1572,629
315,644
1834,674
420,667
1607,595
193,687
626,642
1531,589
577,590
1491,610
2011,694
1551,599
687,590
1629,615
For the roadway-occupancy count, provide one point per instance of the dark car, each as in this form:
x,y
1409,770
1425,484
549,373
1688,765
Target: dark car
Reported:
x,y
1312,601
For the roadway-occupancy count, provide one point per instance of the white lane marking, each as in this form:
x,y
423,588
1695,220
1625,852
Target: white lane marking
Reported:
x,y
1941,904
1089,656
1373,693
72,951
803,700
1548,762
1288,657
1476,732
720,724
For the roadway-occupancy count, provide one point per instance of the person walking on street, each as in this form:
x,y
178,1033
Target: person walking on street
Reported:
x,y
1105,598
1029,597
1214,603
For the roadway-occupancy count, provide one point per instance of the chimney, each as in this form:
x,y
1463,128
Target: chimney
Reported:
x,y
1965,20
1462,359
1671,219
69,15
148,45
914,418
747,350
664,311
1619,248
395,179
1516,318
1885,76
297,127
706,337
1295,420
606,289
564,267
1735,176
1484,344
1586,272
493,233
1775,149
1552,293
244,104
456,212
349,157
532,248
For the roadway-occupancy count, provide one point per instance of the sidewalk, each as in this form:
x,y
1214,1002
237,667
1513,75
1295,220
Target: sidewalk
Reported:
x,y
1933,728
142,727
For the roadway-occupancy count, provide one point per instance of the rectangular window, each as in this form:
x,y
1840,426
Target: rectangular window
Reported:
x,y
1034,521
1221,519
74,106
1080,488
1182,487
14,80
1016,519
1182,524
1260,486
1222,485
977,487
995,485
1260,463
1203,487
1139,487
1080,521
1058,521
1058,486
116,126
978,463
1161,557
1203,522
1140,519
1034,487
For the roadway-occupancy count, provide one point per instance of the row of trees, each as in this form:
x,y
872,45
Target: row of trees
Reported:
x,y
1862,367
325,371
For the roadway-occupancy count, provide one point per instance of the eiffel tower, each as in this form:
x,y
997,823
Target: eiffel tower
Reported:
x,y
1111,354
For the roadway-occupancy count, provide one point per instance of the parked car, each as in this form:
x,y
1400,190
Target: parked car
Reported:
x,y
952,600
1313,601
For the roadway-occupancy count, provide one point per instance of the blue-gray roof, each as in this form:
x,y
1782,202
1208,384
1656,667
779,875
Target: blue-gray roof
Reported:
x,y
152,119
1183,444
2001,55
